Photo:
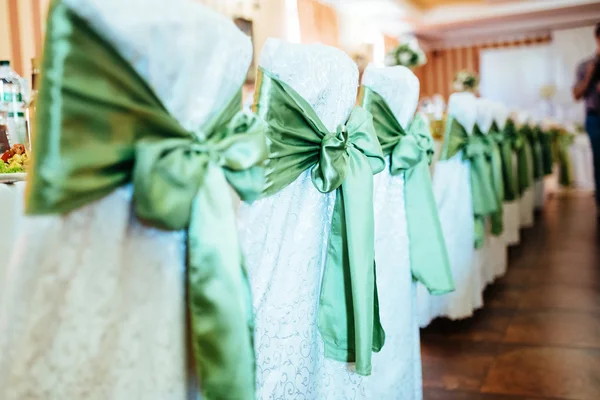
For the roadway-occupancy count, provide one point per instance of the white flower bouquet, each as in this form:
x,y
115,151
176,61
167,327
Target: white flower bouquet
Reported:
x,y
408,54
465,81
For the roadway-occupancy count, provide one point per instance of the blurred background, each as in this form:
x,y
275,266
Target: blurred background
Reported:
x,y
525,46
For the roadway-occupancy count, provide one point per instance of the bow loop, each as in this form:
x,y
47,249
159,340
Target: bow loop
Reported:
x,y
169,172
415,147
357,134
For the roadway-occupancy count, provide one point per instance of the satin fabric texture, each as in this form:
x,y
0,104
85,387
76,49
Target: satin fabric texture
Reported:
x,y
102,127
410,153
474,149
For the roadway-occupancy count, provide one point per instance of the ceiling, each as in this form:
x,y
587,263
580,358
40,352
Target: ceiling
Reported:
x,y
443,23
427,4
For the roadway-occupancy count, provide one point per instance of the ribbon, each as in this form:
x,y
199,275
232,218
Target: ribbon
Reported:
x,y
520,147
495,166
547,154
344,161
410,154
534,137
508,171
100,127
476,152
565,172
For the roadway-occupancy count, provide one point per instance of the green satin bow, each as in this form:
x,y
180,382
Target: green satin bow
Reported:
x,y
508,172
520,146
482,191
344,161
547,154
410,153
495,165
100,126
534,137
565,171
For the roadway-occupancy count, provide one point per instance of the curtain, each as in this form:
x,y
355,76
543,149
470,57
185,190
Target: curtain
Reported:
x,y
515,76
318,23
570,47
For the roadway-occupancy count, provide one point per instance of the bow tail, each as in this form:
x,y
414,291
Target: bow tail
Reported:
x,y
496,166
349,312
219,300
508,175
430,263
484,198
523,169
565,172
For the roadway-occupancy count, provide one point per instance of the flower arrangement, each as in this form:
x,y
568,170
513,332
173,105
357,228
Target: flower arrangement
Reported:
x,y
548,91
466,81
408,54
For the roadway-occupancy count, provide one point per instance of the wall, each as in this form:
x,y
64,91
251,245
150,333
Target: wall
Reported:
x,y
443,64
21,32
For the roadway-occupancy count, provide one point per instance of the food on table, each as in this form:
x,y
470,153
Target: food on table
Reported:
x,y
14,160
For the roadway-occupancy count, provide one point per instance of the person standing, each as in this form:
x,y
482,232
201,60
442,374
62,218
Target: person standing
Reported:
x,y
587,87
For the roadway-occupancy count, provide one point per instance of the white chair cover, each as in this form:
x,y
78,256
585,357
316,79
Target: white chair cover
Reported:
x,y
452,187
285,237
94,306
512,214
397,368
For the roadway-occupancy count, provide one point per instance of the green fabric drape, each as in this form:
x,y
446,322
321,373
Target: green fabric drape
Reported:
x,y
534,137
410,153
344,161
520,147
482,190
565,171
495,165
509,178
547,154
100,127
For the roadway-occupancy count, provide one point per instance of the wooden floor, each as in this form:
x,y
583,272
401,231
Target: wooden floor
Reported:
x,y
538,336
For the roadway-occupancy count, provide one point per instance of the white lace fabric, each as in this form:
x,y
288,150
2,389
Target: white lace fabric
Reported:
x,y
94,306
397,368
285,237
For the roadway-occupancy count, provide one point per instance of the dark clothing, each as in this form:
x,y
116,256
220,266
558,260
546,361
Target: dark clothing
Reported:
x,y
591,95
592,126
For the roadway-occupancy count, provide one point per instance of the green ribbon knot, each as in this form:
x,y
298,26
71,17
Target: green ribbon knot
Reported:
x,y
520,146
100,126
410,153
344,161
476,152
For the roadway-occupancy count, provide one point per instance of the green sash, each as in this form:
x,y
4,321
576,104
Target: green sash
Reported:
x,y
482,190
101,127
565,171
495,165
520,146
509,178
344,161
547,154
410,153
534,137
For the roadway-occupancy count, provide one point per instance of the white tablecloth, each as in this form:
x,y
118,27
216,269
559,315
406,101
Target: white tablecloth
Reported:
x,y
11,211
582,161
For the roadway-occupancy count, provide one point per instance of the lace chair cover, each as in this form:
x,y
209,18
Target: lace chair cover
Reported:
x,y
397,368
527,201
496,255
285,238
95,300
452,188
512,215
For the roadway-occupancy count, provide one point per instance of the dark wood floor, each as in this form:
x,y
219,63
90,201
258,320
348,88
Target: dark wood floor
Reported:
x,y
538,336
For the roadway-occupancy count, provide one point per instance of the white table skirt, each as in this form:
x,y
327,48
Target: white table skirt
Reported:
x,y
582,161
11,212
